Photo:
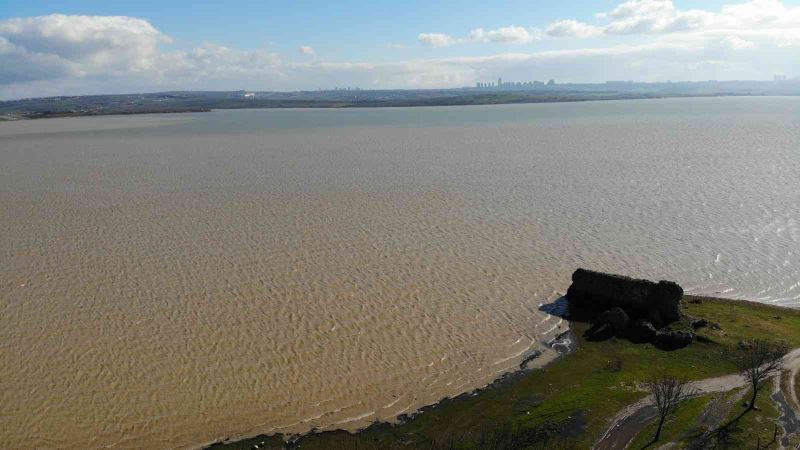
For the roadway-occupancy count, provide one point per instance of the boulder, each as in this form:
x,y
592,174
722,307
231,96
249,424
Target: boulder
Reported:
x,y
642,331
699,323
616,318
703,323
610,323
673,340
600,332
593,292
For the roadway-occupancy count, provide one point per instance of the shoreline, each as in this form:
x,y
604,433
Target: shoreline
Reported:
x,y
504,387
562,345
17,116
22,117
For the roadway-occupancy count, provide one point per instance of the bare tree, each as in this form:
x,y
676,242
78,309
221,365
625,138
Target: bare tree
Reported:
x,y
761,360
668,392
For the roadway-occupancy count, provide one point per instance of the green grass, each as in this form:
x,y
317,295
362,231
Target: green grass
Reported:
x,y
741,428
749,427
578,394
678,428
747,320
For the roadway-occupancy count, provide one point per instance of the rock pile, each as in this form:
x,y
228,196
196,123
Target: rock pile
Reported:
x,y
639,310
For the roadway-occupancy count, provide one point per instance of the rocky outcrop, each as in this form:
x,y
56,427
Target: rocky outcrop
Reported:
x,y
595,292
629,308
703,323
613,322
673,340
642,331
616,318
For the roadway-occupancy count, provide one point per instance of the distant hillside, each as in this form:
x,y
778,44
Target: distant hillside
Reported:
x,y
199,101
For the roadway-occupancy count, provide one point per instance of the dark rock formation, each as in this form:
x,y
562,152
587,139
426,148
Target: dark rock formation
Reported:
x,y
613,322
673,340
600,331
638,310
595,292
616,318
703,323
699,323
641,331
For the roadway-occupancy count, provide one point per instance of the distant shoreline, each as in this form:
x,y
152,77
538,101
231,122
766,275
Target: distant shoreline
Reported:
x,y
61,115
9,114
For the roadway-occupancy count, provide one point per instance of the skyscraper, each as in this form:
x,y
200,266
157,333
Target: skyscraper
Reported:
x,y
499,82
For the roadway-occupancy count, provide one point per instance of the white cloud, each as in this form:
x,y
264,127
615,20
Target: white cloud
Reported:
x,y
214,62
77,45
655,16
770,19
59,55
573,28
642,8
217,67
436,39
737,43
504,35
308,51
759,13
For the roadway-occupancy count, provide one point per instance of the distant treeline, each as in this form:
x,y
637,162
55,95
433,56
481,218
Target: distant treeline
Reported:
x,y
180,102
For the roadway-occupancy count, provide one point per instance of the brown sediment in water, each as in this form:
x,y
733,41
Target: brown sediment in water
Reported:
x,y
167,286
293,319
562,345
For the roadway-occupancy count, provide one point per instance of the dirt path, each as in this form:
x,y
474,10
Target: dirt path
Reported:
x,y
627,428
788,420
624,427
793,394
717,411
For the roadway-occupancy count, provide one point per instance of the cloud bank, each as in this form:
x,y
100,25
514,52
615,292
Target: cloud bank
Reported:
x,y
765,18
504,35
41,48
638,39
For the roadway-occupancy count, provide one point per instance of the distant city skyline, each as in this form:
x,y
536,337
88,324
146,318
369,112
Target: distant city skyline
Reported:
x,y
76,47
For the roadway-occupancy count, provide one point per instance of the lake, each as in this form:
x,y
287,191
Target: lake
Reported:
x,y
170,280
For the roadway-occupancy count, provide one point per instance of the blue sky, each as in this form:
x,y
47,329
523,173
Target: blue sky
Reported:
x,y
71,46
352,29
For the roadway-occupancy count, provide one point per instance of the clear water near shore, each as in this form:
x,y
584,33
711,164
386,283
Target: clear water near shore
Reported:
x,y
167,281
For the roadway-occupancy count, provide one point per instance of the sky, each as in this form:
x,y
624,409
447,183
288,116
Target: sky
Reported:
x,y
74,47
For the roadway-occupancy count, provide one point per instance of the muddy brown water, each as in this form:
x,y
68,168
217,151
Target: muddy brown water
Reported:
x,y
168,281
